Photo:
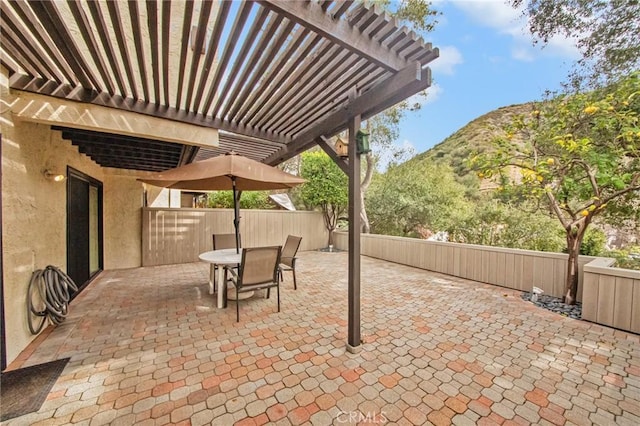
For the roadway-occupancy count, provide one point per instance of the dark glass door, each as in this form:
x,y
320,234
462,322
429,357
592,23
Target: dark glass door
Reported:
x,y
84,227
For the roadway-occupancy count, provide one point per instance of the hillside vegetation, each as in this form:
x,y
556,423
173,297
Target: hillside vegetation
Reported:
x,y
404,200
474,137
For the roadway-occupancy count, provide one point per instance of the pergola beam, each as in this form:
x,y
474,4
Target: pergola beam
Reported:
x,y
39,86
311,15
343,163
407,82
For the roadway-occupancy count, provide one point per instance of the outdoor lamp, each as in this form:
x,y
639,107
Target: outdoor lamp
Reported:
x,y
362,142
53,176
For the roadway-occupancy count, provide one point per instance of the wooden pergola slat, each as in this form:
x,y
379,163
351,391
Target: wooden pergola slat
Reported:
x,y
30,50
201,31
239,61
35,29
317,112
257,59
26,52
324,50
114,12
365,75
259,73
314,85
47,12
152,24
341,9
223,12
166,32
233,38
281,76
137,41
7,61
17,51
87,34
338,31
186,30
98,20
101,154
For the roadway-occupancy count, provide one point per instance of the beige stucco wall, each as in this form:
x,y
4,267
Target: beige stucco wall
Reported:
x,y
122,203
34,211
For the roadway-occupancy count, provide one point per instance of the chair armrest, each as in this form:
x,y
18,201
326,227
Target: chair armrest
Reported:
x,y
233,270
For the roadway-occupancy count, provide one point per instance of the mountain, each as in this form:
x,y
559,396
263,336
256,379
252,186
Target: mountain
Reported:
x,y
474,137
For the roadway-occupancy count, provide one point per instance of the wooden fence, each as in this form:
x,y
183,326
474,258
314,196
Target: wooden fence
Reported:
x,y
172,235
511,268
611,296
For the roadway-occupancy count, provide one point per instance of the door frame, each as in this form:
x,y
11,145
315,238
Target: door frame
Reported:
x,y
77,174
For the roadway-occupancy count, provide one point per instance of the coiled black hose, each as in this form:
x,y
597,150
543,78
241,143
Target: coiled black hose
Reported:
x,y
54,289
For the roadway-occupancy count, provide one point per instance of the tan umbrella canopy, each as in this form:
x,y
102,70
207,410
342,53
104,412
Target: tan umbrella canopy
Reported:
x,y
225,172
220,173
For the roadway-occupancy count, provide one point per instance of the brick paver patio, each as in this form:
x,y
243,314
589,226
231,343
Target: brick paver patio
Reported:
x,y
148,346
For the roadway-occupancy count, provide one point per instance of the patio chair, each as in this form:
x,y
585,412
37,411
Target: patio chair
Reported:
x,y
225,241
288,258
258,270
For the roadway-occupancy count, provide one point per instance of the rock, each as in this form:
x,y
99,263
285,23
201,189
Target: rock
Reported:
x,y
555,304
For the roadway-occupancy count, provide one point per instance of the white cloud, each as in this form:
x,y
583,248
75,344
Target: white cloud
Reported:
x,y
563,46
499,15
433,93
495,14
522,53
449,57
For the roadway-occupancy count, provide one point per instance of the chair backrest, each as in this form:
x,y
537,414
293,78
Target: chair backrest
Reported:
x,y
290,249
225,241
259,265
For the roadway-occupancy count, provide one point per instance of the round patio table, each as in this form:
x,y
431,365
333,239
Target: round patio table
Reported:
x,y
222,258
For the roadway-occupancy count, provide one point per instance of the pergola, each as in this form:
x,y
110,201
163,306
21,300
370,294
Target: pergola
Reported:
x,y
275,77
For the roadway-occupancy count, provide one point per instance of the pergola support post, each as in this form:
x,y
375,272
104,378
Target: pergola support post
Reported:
x,y
354,342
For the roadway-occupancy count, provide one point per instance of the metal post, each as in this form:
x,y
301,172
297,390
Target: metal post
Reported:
x,y
354,340
236,214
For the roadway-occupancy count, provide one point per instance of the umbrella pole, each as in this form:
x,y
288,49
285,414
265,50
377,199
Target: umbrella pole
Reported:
x,y
236,214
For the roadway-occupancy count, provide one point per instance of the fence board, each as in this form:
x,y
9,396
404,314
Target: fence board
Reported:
x,y
635,307
606,299
622,303
590,304
179,235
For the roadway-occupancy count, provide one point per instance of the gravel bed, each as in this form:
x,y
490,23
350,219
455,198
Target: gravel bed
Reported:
x,y
555,304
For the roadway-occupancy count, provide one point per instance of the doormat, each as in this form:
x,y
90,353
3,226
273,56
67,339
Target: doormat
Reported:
x,y
24,390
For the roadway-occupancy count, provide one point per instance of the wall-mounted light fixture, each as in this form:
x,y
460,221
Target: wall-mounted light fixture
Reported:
x,y
54,176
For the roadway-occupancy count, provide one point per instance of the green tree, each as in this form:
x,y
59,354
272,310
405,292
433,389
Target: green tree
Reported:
x,y
248,200
499,223
416,195
326,188
580,154
606,32
384,127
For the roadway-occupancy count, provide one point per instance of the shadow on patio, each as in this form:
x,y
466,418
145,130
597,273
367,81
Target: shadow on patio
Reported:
x,y
148,346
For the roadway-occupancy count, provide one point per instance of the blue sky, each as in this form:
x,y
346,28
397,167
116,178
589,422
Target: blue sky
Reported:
x,y
486,61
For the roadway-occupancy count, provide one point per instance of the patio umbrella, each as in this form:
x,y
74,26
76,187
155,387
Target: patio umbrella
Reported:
x,y
225,172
